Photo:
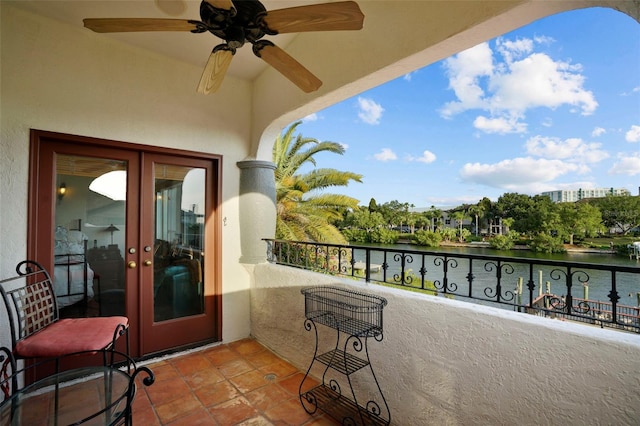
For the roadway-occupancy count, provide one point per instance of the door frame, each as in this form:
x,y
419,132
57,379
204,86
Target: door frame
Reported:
x,y
42,196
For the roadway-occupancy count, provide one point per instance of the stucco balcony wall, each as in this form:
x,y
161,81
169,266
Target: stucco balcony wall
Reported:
x,y
445,361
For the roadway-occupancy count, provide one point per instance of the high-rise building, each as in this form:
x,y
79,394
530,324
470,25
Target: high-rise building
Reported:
x,y
573,195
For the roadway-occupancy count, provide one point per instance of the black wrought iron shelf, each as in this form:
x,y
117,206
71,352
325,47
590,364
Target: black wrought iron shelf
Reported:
x,y
341,408
355,316
342,361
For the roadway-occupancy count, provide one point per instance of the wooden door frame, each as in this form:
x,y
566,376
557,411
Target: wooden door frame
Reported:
x,y
41,249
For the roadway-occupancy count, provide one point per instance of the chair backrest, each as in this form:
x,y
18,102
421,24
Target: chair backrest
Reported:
x,y
29,300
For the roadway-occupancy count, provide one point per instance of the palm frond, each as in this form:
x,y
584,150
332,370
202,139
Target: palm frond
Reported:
x,y
303,211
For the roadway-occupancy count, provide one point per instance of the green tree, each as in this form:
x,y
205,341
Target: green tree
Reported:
x,y
477,211
373,206
394,212
304,211
581,219
619,212
366,220
428,238
434,216
460,216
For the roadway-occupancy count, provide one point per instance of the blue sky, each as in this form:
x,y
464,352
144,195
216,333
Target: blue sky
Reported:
x,y
553,105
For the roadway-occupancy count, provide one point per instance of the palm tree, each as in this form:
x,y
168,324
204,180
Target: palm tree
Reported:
x,y
304,211
476,211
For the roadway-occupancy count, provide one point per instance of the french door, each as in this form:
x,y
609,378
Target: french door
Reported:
x,y
129,230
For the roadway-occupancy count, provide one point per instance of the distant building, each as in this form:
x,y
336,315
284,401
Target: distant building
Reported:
x,y
571,196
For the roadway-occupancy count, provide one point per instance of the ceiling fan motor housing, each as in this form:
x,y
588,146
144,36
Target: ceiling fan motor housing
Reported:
x,y
238,25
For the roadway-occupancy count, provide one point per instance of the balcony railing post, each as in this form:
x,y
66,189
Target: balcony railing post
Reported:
x,y
367,264
531,285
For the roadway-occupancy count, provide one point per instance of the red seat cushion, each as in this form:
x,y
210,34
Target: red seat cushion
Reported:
x,y
70,335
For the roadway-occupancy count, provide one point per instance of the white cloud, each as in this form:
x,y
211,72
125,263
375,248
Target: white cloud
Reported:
x,y
525,174
500,125
572,149
511,49
508,85
598,131
626,165
311,117
345,146
548,84
451,201
370,111
427,157
464,71
385,155
633,91
633,135
409,76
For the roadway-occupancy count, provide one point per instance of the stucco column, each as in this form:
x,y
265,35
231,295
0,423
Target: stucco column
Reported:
x,y
257,209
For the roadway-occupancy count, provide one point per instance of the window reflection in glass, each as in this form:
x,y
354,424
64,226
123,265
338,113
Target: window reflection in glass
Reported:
x,y
179,242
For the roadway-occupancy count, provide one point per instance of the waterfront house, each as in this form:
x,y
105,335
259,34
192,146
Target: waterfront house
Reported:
x,y
130,101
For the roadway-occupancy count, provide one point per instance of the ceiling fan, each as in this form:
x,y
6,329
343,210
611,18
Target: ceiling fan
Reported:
x,y
240,21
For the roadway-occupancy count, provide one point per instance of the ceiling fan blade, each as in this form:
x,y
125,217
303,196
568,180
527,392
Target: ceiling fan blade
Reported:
x,y
287,66
338,16
119,25
221,4
214,71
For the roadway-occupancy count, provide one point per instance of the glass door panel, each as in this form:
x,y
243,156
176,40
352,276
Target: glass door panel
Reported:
x,y
178,273
89,235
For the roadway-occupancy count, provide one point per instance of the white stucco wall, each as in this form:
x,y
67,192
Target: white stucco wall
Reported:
x,y
66,79
449,362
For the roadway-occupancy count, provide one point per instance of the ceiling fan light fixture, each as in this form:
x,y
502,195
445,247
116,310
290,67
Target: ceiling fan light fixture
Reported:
x,y
234,36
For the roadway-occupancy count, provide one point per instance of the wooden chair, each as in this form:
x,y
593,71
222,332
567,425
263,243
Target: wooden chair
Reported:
x,y
36,329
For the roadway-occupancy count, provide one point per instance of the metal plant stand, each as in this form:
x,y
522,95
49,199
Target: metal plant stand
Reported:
x,y
356,316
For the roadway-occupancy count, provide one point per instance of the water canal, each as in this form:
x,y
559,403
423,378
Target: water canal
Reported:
x,y
594,284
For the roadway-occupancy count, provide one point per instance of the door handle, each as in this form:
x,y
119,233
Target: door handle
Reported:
x,y
132,264
147,262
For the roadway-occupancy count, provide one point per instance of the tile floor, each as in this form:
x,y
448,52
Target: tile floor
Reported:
x,y
240,383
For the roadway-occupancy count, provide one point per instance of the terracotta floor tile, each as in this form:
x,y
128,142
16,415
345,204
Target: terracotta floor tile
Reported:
x,y
146,416
267,396
204,377
200,417
163,371
234,368
191,364
221,355
232,412
167,390
249,381
177,408
292,383
290,412
322,421
280,368
262,359
215,394
241,384
256,421
246,346
140,401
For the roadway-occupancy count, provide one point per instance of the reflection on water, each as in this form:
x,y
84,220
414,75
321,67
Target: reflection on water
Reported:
x,y
595,284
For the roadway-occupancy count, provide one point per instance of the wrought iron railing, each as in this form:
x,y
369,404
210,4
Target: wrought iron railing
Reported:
x,y
599,294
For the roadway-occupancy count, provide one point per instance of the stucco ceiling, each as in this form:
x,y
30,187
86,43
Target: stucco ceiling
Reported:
x,y
186,47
